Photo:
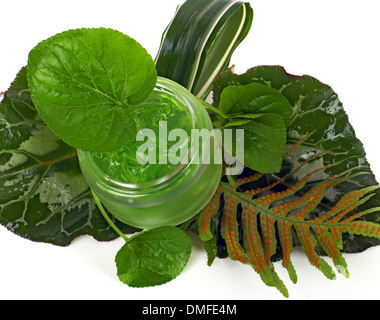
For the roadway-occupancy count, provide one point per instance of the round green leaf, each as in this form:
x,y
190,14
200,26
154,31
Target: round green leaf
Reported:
x,y
254,98
83,80
153,257
264,141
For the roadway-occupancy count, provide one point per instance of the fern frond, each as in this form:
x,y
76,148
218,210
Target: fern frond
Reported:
x,y
230,229
205,227
257,223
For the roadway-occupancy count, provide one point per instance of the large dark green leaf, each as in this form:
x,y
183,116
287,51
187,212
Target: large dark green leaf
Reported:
x,y
318,114
43,195
198,43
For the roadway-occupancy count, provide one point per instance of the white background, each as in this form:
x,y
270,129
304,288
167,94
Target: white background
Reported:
x,y
335,41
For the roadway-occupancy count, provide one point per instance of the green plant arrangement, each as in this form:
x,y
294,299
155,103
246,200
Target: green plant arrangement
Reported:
x,y
306,181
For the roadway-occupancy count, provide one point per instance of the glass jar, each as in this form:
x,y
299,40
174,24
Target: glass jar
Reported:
x,y
173,198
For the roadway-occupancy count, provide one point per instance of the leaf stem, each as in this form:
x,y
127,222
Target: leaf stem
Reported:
x,y
108,219
211,108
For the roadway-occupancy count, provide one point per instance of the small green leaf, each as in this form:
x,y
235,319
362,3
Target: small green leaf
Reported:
x,y
263,113
264,141
254,98
83,80
153,257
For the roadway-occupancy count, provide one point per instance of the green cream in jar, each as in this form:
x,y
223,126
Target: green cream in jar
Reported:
x,y
163,191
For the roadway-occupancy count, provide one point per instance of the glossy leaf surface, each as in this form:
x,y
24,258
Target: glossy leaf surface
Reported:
x,y
43,195
319,115
198,43
153,257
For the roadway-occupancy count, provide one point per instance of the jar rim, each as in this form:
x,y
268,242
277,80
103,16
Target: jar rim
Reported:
x,y
187,100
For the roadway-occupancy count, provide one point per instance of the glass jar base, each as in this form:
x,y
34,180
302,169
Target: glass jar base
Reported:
x,y
178,210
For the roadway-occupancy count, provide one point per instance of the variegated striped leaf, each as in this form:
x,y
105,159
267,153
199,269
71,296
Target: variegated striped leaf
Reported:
x,y
198,43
